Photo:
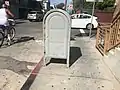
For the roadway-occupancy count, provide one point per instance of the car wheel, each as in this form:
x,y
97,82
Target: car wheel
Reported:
x,y
88,26
39,19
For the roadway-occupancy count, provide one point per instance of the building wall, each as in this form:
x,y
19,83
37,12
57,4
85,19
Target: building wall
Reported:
x,y
20,8
14,5
104,17
28,5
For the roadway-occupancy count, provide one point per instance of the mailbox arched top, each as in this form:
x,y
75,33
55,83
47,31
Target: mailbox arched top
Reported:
x,y
59,11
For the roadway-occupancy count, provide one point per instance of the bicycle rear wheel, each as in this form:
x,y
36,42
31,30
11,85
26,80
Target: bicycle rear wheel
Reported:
x,y
1,38
12,33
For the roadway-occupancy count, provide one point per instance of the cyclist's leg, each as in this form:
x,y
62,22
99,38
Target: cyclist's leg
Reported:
x,y
8,29
11,31
8,34
3,28
1,38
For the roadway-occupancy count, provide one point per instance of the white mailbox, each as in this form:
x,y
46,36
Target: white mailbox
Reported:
x,y
56,32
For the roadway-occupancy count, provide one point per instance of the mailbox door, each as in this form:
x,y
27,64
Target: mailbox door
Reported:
x,y
56,35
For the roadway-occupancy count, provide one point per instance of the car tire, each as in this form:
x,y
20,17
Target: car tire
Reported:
x,y
39,19
88,26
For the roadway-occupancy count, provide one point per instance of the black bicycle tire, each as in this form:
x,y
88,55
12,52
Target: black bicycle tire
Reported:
x,y
2,39
13,29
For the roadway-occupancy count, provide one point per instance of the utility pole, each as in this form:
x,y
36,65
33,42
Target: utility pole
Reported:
x,y
93,9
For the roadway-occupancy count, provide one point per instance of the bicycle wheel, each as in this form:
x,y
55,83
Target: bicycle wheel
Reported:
x,y
12,33
1,38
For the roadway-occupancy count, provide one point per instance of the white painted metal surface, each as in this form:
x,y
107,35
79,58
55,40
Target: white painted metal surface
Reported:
x,y
94,0
57,27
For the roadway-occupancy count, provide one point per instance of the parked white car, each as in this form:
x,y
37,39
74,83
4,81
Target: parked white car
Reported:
x,y
35,15
83,21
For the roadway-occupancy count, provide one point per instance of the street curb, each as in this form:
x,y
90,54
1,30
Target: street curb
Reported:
x,y
32,76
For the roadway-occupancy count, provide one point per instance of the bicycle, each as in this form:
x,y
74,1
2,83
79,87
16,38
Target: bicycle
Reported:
x,y
1,38
8,33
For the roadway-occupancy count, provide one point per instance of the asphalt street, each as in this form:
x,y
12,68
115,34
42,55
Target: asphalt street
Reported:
x,y
31,29
34,29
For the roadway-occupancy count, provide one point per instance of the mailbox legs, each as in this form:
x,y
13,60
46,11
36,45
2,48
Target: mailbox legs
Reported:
x,y
46,60
68,57
68,63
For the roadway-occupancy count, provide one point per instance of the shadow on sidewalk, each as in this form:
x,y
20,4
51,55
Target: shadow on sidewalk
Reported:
x,y
75,53
20,21
17,66
18,40
23,39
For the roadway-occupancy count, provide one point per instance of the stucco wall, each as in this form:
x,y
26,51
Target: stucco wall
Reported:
x,y
104,17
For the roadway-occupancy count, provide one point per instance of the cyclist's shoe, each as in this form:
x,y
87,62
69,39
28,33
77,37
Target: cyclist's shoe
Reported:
x,y
9,43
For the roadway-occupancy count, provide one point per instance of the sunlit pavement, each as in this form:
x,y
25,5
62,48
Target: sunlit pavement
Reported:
x,y
87,70
18,60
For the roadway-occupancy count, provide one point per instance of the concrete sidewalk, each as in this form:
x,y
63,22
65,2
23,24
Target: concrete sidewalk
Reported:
x,y
87,71
16,63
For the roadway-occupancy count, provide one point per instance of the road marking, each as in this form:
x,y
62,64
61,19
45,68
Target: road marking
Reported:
x,y
82,31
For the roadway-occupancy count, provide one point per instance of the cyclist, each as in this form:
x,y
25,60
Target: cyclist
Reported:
x,y
4,14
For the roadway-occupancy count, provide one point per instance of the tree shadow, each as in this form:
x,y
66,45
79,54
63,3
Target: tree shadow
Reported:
x,y
19,22
75,54
22,39
18,40
17,66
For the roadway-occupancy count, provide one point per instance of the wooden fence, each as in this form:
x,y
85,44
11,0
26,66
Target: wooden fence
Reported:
x,y
108,36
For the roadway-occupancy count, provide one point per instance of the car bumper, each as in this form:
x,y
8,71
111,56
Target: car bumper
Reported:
x,y
31,18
